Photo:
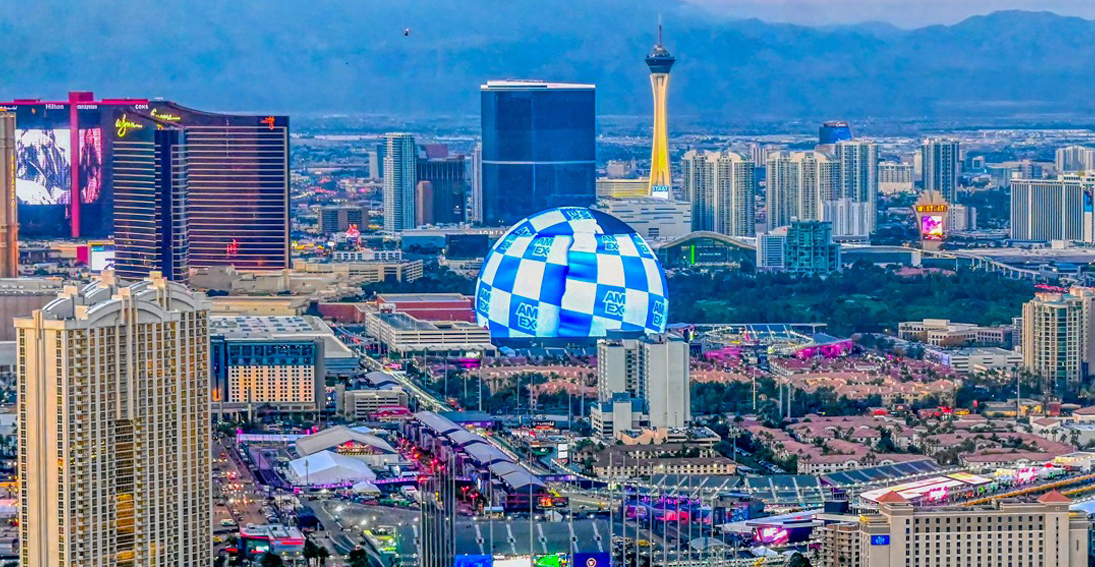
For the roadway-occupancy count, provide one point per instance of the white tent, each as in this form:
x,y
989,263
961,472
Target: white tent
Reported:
x,y
365,487
326,468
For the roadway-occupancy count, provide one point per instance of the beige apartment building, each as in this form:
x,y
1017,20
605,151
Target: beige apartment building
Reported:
x,y
1059,336
114,451
1043,533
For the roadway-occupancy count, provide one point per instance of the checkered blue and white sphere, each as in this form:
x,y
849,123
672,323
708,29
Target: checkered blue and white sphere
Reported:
x,y
570,272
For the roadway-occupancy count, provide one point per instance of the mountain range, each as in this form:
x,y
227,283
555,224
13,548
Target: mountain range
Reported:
x,y
428,57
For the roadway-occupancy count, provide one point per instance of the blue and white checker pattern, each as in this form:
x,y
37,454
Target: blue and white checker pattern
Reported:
x,y
570,272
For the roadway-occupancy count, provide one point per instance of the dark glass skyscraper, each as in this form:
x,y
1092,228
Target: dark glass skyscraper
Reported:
x,y
441,188
833,131
539,148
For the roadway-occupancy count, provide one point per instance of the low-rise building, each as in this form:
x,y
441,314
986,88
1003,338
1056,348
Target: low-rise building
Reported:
x,y
944,333
978,359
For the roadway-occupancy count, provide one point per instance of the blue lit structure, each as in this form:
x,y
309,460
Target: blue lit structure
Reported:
x,y
833,131
227,353
570,272
539,148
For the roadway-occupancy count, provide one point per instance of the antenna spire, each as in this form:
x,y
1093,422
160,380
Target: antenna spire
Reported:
x,y
659,29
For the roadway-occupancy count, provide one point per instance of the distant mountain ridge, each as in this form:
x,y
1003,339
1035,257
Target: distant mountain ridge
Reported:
x,y
352,56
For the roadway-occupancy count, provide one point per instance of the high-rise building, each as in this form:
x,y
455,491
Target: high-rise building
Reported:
x,y
115,457
1059,337
651,373
1042,533
1073,159
798,184
856,193
475,205
539,148
809,249
832,132
9,219
722,189
376,160
151,199
895,178
237,168
400,168
1049,209
442,181
660,62
942,163
340,219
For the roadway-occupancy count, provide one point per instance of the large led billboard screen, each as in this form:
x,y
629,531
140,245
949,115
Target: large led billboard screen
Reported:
x,y
43,166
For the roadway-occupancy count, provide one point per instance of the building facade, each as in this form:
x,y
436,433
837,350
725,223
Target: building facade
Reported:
x,y
1049,209
1021,534
649,376
942,163
441,191
9,219
722,189
1074,159
1058,337
857,165
651,217
539,148
115,457
400,157
798,185
339,219
809,249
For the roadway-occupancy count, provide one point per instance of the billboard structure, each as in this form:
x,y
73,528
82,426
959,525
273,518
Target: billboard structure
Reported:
x,y
931,219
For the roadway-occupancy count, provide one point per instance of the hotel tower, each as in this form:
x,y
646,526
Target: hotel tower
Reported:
x,y
660,62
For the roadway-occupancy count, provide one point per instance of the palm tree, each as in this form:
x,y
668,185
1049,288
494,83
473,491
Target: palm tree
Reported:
x,y
358,558
311,551
271,560
323,555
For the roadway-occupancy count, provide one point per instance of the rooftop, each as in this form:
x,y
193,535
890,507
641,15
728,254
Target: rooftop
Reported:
x,y
522,84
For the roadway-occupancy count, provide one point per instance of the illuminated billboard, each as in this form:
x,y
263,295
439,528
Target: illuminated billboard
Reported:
x,y
931,227
100,257
473,561
43,166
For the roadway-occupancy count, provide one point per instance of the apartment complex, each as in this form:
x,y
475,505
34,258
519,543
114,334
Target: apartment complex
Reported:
x,y
722,189
1059,337
114,455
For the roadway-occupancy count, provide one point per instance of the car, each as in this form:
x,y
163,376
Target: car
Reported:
x,y
218,539
227,522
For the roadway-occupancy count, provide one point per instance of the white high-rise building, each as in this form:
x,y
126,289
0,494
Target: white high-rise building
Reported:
x,y
857,164
475,208
1073,159
651,373
114,425
798,185
942,164
399,181
722,189
1049,209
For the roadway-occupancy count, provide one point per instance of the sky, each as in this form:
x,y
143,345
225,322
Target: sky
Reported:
x,y
901,13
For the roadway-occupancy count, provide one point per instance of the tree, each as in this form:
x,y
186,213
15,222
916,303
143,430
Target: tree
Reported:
x,y
323,555
799,560
311,551
358,558
271,560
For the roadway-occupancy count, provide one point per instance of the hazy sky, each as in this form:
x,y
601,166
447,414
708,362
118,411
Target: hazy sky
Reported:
x,y
903,13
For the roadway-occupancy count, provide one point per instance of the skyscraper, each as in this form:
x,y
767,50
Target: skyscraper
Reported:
x,y
1049,209
722,188
539,148
833,131
114,458
150,202
1071,159
941,163
651,373
1059,338
809,249
444,178
399,179
852,207
798,184
9,220
660,62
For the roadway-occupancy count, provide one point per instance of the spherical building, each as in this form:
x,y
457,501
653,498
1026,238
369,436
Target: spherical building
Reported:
x,y
570,272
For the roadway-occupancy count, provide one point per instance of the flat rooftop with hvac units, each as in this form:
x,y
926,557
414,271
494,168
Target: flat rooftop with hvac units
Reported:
x,y
276,361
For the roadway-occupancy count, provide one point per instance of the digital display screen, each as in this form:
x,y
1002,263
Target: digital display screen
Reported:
x,y
773,535
880,540
91,165
101,257
931,227
43,166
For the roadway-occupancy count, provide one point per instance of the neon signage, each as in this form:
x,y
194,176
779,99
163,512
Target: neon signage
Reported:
x,y
269,121
931,208
166,117
123,125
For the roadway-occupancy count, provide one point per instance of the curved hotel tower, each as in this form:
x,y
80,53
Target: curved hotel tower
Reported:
x,y
660,62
